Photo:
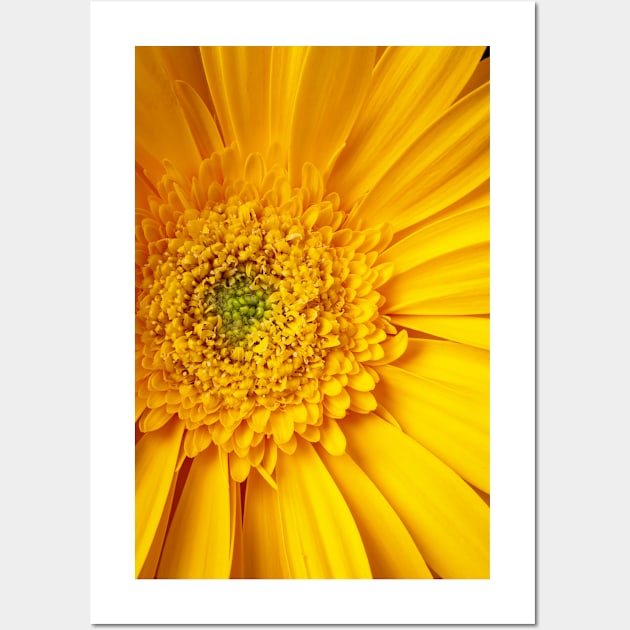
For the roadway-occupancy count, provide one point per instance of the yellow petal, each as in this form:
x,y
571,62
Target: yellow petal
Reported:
x,y
199,119
289,446
259,418
320,535
450,423
213,68
362,402
380,51
480,76
236,537
332,87
454,284
281,425
141,405
362,381
183,63
393,347
312,184
336,406
271,456
245,76
198,543
332,437
448,521
144,188
239,467
411,87
473,331
156,456
390,548
153,557
264,554
254,169
286,70
477,198
450,159
161,128
330,387
439,238
453,364
266,476
197,440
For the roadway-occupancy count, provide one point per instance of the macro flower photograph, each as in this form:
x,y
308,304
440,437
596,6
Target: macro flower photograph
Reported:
x,y
312,312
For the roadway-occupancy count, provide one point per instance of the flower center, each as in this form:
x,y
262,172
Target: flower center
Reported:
x,y
257,316
239,305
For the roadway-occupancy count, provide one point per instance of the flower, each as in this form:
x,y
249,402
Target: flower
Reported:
x,y
312,312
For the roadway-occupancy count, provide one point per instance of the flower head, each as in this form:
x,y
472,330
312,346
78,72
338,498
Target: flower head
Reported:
x,y
312,312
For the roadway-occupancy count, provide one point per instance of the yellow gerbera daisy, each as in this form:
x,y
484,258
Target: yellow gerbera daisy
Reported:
x,y
312,312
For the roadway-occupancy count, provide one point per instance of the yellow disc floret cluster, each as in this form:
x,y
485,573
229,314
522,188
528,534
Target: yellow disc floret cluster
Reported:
x,y
257,312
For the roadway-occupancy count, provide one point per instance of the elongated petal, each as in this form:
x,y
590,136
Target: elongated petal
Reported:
x,y
473,331
144,188
199,119
380,51
198,542
153,557
236,515
390,548
476,199
480,76
286,70
320,535
245,76
263,541
183,63
213,67
451,423
156,456
410,88
446,162
452,364
333,85
161,128
457,283
448,521
437,239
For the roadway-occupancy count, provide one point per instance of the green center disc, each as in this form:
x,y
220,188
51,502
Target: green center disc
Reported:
x,y
239,305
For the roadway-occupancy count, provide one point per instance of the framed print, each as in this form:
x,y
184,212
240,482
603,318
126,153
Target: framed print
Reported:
x,y
328,340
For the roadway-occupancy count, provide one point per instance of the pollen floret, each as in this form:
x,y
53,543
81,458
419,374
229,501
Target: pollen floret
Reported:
x,y
258,312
